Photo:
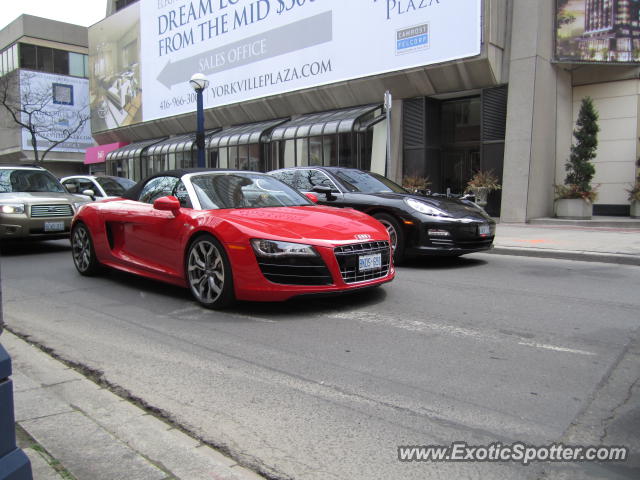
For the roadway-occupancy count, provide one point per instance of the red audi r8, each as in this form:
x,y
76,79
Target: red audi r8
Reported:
x,y
231,235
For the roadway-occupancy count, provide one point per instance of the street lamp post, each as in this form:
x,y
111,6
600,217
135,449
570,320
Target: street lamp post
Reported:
x,y
199,82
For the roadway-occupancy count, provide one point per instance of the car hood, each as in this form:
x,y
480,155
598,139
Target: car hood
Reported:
x,y
454,207
316,224
40,197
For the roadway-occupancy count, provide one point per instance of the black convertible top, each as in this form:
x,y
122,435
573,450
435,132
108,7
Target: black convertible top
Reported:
x,y
134,192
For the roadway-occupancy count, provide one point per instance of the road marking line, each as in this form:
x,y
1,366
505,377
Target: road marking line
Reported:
x,y
419,326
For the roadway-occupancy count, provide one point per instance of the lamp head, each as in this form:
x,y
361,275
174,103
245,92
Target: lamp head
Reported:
x,y
198,82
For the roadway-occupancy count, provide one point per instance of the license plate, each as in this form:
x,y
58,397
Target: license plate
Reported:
x,y
53,226
369,262
484,229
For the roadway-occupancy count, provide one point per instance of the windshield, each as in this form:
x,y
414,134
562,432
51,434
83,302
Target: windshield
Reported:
x,y
115,187
244,190
367,182
29,181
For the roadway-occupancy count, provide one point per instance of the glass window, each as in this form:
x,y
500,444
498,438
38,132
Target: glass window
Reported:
x,y
302,152
13,58
28,56
289,153
243,157
156,188
346,157
255,161
315,151
60,62
329,151
111,187
307,179
76,64
44,59
244,190
286,176
233,157
461,120
363,182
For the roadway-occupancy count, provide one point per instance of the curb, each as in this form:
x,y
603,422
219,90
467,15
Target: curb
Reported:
x,y
582,256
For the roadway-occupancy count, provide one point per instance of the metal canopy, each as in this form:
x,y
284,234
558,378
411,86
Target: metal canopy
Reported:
x,y
322,123
132,150
242,134
180,143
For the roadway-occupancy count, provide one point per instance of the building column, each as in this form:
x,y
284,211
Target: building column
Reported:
x,y
537,91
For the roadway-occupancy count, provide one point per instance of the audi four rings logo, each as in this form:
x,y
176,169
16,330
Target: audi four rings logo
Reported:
x,y
363,236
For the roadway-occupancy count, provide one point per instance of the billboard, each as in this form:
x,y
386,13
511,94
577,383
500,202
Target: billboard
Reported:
x,y
252,49
114,70
61,101
598,31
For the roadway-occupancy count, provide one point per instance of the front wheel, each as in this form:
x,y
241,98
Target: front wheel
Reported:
x,y
395,234
84,255
209,273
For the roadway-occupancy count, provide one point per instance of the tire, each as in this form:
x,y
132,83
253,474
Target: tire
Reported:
x,y
209,274
395,233
84,255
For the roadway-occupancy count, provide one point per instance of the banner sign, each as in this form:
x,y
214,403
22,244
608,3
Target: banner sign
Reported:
x,y
598,31
62,100
251,49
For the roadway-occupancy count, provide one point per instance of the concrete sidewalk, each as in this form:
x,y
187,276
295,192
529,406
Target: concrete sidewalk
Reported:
x,y
603,239
67,424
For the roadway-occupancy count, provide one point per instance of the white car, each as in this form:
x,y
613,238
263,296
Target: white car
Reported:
x,y
97,187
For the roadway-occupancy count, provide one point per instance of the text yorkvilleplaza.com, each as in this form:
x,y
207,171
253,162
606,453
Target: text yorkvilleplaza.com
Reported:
x,y
517,452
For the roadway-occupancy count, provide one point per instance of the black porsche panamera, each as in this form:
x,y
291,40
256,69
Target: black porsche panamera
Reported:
x,y
417,224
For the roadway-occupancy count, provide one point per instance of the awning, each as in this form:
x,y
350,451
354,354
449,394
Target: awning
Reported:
x,y
242,134
323,123
133,150
177,144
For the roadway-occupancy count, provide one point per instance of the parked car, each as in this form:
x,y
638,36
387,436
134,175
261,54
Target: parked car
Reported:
x,y
97,187
417,224
34,205
231,235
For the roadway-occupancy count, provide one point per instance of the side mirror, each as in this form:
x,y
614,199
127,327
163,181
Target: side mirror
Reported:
x,y
89,193
168,204
322,189
312,196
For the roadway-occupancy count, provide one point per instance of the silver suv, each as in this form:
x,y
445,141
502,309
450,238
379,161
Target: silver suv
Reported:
x,y
34,205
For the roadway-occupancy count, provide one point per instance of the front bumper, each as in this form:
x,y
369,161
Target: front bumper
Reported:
x,y
21,227
251,284
450,237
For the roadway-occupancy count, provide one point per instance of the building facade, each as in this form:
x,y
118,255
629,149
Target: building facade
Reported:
x,y
484,87
44,79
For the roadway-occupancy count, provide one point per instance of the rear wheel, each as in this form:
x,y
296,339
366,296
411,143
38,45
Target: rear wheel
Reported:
x,y
209,273
84,255
395,234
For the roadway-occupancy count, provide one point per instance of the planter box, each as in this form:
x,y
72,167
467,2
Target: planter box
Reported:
x,y
574,209
635,209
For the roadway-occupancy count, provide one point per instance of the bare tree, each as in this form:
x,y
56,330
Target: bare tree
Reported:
x,y
31,107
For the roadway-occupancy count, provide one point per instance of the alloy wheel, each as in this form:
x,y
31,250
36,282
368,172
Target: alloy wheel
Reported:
x,y
206,272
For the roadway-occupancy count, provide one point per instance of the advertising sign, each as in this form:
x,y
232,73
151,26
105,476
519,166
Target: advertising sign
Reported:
x,y
598,31
250,49
64,101
114,63
99,154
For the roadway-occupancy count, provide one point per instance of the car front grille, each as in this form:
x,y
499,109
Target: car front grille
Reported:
x,y
295,271
348,260
60,210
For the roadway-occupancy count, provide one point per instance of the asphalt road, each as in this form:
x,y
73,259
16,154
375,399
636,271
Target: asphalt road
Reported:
x,y
479,349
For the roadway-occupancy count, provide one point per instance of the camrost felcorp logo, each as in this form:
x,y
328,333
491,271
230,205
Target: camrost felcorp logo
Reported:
x,y
412,39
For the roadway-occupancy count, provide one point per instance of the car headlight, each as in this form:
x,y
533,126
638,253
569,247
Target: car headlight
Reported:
x,y
425,208
12,208
274,248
